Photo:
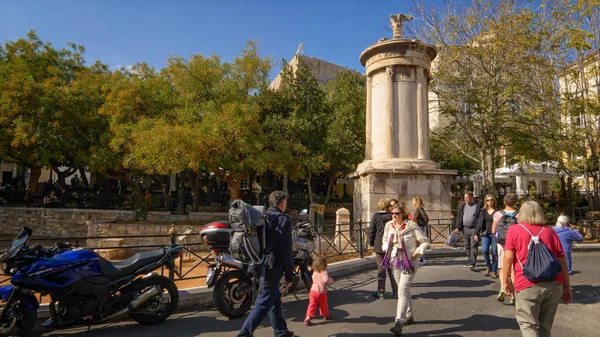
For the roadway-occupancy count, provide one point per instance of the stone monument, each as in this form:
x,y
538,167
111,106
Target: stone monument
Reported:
x,y
397,162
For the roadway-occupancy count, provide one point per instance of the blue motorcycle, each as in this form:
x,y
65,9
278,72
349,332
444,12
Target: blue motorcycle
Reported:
x,y
84,288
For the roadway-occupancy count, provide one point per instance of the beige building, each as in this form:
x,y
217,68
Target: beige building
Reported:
x,y
324,71
581,80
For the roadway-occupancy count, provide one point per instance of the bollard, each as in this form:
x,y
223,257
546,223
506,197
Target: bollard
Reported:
x,y
360,239
172,235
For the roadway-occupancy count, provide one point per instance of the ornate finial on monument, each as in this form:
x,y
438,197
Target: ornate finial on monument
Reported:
x,y
397,20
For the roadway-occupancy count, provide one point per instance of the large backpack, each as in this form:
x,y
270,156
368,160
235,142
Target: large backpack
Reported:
x,y
541,264
504,222
246,221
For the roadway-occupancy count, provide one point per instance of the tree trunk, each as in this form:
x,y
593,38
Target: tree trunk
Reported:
x,y
180,195
61,176
330,187
84,177
563,188
166,190
285,184
484,180
124,178
195,182
310,190
491,168
34,176
234,187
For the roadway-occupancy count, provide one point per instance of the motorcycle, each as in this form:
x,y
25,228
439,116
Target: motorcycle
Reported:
x,y
234,281
84,288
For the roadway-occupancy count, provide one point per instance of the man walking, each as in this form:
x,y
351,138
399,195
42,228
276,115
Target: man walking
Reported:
x,y
466,221
279,243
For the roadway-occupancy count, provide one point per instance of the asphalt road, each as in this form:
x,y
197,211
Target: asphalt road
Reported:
x,y
448,300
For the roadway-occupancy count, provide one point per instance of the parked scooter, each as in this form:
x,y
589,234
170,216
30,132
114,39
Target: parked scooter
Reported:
x,y
84,288
235,281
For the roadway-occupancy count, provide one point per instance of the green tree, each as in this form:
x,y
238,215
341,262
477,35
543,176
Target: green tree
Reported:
x,y
213,124
131,96
344,146
306,124
491,78
45,110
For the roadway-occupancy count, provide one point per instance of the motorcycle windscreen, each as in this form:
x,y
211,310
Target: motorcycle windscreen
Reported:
x,y
17,244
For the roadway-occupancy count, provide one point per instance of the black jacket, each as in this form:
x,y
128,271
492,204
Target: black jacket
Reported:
x,y
459,218
482,225
378,221
278,238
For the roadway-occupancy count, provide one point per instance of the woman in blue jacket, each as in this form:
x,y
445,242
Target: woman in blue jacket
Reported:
x,y
567,236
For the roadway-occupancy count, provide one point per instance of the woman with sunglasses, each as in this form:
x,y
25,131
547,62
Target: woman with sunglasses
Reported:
x,y
404,242
487,237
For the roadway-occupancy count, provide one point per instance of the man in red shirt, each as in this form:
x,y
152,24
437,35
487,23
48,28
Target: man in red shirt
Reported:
x,y
536,302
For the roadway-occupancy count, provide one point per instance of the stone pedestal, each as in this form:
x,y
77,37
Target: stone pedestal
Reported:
x,y
397,162
433,186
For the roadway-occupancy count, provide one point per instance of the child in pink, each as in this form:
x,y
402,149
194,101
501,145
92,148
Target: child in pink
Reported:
x,y
318,291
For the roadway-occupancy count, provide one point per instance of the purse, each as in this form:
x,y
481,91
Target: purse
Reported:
x,y
389,261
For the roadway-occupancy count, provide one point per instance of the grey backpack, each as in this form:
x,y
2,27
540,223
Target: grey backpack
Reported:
x,y
244,243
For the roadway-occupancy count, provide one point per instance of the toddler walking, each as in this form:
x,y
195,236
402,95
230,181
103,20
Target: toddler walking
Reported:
x,y
318,291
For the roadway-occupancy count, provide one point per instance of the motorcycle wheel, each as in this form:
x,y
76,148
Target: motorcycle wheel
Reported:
x,y
158,308
228,301
26,321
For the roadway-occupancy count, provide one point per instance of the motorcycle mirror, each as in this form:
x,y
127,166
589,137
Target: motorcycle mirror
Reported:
x,y
304,212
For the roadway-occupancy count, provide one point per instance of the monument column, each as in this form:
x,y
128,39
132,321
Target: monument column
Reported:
x,y
422,115
368,127
397,162
389,113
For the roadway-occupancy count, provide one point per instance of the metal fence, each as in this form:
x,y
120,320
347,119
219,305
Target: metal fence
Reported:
x,y
336,242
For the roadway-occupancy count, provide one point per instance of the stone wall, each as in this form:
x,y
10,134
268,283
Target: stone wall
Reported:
x,y
132,229
64,222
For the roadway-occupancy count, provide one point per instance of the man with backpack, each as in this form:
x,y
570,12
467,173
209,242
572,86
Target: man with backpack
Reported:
x,y
279,244
541,277
466,222
504,219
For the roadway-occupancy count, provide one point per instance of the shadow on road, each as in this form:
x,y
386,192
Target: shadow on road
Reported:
x,y
586,294
483,323
455,294
455,283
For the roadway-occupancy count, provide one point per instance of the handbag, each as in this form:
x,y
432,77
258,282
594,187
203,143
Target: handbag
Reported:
x,y
452,239
389,261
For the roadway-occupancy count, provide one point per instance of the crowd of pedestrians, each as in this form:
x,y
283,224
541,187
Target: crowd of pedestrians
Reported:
x,y
532,261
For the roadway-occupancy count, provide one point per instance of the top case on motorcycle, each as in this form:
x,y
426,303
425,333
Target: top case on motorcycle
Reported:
x,y
116,270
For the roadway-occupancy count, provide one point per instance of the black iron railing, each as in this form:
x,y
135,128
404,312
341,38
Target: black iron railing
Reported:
x,y
338,242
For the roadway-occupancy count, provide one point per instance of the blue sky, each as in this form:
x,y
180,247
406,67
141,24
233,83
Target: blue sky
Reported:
x,y
121,33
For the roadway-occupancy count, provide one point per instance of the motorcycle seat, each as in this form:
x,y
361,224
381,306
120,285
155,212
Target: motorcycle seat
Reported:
x,y
116,270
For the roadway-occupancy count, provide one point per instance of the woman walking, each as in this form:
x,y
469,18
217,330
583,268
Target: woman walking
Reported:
x,y
487,236
421,218
404,243
378,221
536,300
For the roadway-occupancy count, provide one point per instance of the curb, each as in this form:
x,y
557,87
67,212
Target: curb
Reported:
x,y
198,297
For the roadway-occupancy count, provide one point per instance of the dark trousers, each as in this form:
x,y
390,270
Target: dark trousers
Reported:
x,y
381,275
267,302
470,245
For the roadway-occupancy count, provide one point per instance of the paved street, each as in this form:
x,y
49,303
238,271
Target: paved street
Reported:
x,y
449,300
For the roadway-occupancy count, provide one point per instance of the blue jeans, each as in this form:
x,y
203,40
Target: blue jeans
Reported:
x,y
486,241
267,302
